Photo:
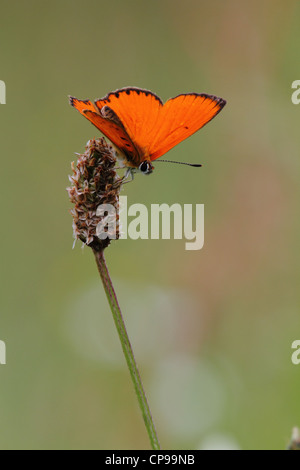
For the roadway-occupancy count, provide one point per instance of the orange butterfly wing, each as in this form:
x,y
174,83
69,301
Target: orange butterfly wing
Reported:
x,y
181,117
139,110
112,129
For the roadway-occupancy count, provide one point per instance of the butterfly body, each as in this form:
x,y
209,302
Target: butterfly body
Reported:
x,y
141,127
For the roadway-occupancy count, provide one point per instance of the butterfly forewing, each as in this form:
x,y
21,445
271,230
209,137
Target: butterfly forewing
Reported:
x,y
180,118
139,110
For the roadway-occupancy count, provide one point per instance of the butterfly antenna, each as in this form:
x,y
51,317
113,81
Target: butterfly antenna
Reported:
x,y
196,165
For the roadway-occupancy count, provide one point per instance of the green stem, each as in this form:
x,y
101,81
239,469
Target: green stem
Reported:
x,y
127,349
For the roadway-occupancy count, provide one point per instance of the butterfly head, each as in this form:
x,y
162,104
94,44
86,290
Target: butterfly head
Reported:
x,y
146,167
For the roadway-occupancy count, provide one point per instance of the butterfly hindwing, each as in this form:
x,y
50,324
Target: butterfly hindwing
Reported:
x,y
110,125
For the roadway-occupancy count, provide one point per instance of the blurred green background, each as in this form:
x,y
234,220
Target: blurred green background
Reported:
x,y
211,329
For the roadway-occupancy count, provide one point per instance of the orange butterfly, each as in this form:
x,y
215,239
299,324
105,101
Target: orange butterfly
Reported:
x,y
143,128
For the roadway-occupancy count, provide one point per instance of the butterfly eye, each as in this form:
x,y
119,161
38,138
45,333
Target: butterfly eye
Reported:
x,y
146,167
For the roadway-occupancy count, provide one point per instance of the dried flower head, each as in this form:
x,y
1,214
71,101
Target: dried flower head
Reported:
x,y
95,183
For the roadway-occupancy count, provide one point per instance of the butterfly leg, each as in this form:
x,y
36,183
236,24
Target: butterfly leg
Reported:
x,y
129,176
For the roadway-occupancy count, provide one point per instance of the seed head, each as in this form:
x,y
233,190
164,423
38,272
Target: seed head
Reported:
x,y
94,182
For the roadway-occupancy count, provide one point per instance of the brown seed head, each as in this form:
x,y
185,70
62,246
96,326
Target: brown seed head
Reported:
x,y
94,183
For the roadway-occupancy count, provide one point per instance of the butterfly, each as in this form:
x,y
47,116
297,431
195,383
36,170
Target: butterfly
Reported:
x,y
142,127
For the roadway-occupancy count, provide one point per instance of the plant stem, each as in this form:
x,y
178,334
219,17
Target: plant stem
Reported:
x,y
127,349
